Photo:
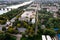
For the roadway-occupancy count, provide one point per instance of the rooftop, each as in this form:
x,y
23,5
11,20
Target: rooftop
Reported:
x,y
28,14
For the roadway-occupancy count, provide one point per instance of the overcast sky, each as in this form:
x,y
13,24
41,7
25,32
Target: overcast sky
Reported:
x,y
27,0
12,0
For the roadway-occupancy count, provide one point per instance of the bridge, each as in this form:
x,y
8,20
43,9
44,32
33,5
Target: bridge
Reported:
x,y
9,8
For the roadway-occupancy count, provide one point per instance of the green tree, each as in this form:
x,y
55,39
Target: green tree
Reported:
x,y
18,25
50,32
9,37
3,28
12,31
2,35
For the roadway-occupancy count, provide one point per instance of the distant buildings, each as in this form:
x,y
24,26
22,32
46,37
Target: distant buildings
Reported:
x,y
50,8
47,1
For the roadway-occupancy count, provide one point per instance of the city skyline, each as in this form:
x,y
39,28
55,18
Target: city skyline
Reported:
x,y
35,0
27,0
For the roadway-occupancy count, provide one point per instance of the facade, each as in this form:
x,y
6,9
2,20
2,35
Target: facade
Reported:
x,y
27,15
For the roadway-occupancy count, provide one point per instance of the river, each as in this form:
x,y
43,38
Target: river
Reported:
x,y
15,7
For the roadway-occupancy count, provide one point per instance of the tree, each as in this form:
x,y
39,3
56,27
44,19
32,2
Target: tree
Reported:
x,y
18,25
2,36
3,28
6,36
9,37
12,31
50,32
25,24
58,31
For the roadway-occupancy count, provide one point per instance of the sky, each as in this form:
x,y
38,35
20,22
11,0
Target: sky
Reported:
x,y
12,0
27,0
24,0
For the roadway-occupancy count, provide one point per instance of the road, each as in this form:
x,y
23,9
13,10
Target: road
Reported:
x,y
18,36
2,25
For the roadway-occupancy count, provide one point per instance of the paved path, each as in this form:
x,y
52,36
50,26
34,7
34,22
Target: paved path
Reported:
x,y
2,25
18,36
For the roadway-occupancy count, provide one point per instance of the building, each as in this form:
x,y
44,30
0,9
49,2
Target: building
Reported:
x,y
28,15
50,8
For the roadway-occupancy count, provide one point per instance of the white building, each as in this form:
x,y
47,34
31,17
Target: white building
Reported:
x,y
53,9
43,37
33,21
8,23
27,15
48,37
